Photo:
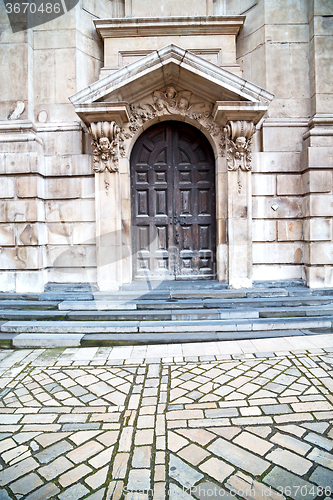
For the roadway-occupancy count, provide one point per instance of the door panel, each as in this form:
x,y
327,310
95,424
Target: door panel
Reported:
x,y
173,204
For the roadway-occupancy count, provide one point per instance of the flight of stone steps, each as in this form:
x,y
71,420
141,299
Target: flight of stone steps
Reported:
x,y
182,312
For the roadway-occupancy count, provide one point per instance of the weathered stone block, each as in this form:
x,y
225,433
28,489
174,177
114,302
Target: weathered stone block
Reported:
x,y
7,237
276,162
60,233
84,234
7,282
17,163
275,253
21,258
282,12
62,188
287,207
320,157
283,137
317,181
277,272
72,275
263,185
27,186
7,187
30,281
30,234
319,205
289,184
290,230
264,230
20,211
319,277
319,253
70,211
74,256
317,229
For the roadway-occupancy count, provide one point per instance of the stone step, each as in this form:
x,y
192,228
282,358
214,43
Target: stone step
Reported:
x,y
27,304
284,312
33,340
147,327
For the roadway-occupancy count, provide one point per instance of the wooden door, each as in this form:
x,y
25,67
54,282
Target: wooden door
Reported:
x,y
173,204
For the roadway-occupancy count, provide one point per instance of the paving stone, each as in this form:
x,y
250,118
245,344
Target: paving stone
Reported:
x,y
43,493
52,452
292,429
281,479
108,438
319,441
141,457
55,468
4,495
291,443
120,465
193,454
238,457
144,437
74,475
18,452
98,495
97,479
177,493
276,409
74,492
183,473
176,442
216,469
211,491
84,451
253,443
290,461
322,477
15,471
321,457
248,488
200,436
82,436
26,484
102,458
139,480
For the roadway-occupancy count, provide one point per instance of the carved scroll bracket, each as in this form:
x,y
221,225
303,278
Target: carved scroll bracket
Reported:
x,y
105,139
238,135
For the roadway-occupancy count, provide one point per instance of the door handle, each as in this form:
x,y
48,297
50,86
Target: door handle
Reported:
x,y
177,237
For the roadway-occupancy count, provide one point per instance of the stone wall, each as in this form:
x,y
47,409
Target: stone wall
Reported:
x,y
47,188
47,214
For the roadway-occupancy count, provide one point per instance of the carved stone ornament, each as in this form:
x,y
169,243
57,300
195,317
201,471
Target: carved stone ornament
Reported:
x,y
238,136
105,137
171,102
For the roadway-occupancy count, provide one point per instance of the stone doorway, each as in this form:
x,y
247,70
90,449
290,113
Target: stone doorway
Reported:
x,y
173,204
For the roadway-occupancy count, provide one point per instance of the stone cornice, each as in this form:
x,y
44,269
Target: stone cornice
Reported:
x,y
104,111
150,26
225,111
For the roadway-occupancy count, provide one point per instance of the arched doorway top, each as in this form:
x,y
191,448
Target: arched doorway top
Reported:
x,y
173,204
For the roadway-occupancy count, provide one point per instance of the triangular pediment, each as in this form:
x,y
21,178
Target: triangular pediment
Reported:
x,y
170,65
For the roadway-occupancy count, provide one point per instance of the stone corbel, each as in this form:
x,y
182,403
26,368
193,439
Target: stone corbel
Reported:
x,y
105,137
238,135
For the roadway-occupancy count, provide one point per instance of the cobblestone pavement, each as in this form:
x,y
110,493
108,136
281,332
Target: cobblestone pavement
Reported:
x,y
168,422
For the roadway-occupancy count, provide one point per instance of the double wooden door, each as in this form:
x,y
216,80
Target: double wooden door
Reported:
x,y
173,204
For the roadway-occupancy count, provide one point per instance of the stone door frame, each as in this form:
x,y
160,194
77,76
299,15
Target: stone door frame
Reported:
x,y
233,216
120,106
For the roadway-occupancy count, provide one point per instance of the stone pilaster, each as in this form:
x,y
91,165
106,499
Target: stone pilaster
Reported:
x,y
108,205
238,136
